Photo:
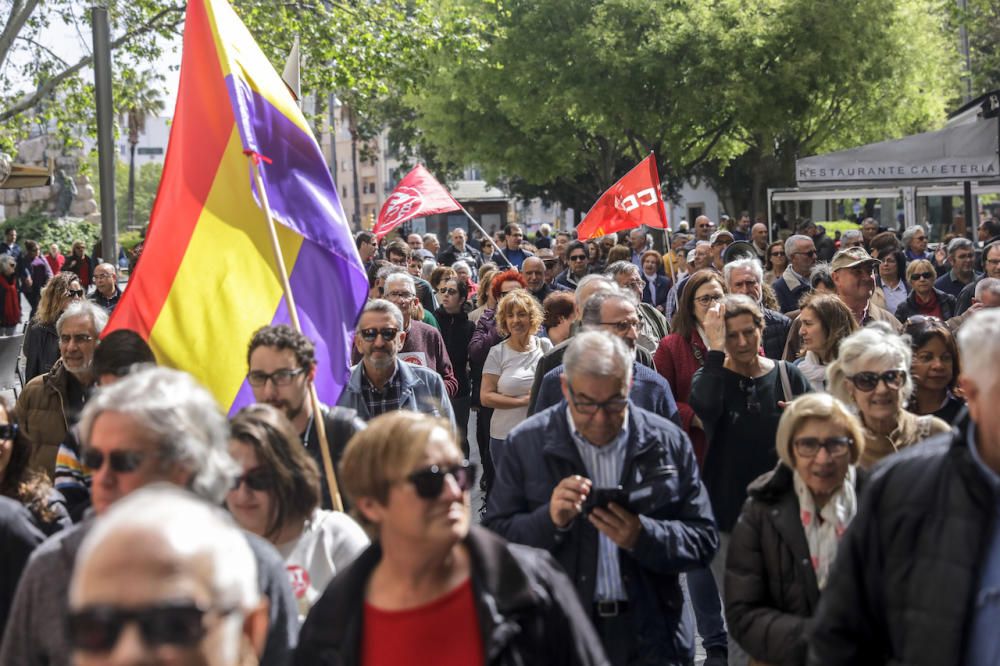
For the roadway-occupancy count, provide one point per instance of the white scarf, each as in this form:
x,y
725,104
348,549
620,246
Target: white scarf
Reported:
x,y
651,281
814,371
824,534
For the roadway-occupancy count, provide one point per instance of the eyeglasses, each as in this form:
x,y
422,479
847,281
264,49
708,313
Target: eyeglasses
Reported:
x,y
578,257
99,276
78,338
429,482
281,377
708,299
613,406
74,293
808,447
258,479
120,462
749,388
623,326
8,431
369,334
777,254
867,381
177,623
922,276
808,253
448,291
400,295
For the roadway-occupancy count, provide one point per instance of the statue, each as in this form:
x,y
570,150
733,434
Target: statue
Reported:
x,y
67,192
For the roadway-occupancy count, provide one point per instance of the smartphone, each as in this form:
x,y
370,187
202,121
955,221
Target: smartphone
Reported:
x,y
601,497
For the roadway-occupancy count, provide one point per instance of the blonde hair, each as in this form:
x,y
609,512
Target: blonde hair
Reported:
x,y
823,407
53,298
518,299
919,265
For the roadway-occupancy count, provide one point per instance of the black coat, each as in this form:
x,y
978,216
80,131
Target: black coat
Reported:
x,y
776,327
907,570
771,591
527,610
456,330
908,308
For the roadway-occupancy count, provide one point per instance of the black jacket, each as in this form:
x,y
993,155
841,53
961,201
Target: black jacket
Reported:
x,y
907,568
527,610
776,327
341,423
771,591
453,254
908,308
456,329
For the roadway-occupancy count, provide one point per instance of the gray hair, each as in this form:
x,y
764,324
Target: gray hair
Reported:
x,y
390,269
956,244
690,256
598,354
979,347
873,347
428,237
619,267
752,264
821,272
427,268
851,235
458,265
191,527
7,261
909,233
383,306
399,275
181,416
987,285
110,267
97,315
586,280
792,240
591,316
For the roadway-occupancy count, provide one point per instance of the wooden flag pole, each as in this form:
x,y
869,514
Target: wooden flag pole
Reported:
x,y
286,286
485,235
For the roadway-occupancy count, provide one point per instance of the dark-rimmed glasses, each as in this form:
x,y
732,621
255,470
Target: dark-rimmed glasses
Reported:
x,y
613,406
867,381
281,377
624,325
177,623
808,447
429,482
120,462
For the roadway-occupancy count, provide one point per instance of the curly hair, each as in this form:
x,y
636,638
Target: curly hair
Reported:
x,y
53,300
519,299
284,337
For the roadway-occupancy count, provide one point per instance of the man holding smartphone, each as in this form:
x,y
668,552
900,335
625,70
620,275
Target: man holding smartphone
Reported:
x,y
624,560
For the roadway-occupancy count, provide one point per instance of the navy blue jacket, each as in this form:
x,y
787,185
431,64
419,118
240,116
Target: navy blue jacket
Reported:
x,y
663,285
788,297
678,530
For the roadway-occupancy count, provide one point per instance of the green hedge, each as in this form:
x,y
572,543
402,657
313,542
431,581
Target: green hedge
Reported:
x,y
37,225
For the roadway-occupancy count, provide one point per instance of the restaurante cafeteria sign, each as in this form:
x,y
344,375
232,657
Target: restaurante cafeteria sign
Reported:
x,y
958,169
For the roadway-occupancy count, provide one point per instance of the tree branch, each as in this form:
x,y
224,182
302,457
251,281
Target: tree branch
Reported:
x,y
43,47
33,98
18,17
719,133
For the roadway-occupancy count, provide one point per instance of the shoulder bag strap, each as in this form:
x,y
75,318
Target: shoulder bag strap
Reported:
x,y
786,386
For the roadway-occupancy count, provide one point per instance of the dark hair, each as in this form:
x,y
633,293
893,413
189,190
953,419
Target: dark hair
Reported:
x,y
509,275
768,264
364,237
373,270
619,253
439,274
511,227
922,331
684,322
279,450
886,242
30,246
835,318
284,337
576,245
119,351
900,258
398,247
992,226
557,306
30,487
460,284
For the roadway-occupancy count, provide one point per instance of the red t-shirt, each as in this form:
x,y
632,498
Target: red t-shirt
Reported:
x,y
444,632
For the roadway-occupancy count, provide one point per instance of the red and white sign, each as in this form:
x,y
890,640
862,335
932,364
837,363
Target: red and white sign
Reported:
x,y
633,201
418,194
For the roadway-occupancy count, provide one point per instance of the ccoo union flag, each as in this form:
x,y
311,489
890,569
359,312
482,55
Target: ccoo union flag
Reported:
x,y
418,194
633,201
207,278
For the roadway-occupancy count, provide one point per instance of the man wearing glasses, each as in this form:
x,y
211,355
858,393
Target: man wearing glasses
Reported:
x,y
106,293
577,266
653,325
991,262
794,282
557,488
513,236
853,277
281,367
381,382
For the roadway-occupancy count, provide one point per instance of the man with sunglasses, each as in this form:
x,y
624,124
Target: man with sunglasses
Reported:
x,y
794,282
853,272
557,488
165,576
281,367
577,266
381,382
50,404
154,426
991,264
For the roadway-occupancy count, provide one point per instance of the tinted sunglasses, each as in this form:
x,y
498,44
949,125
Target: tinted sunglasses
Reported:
x,y
75,293
181,624
867,381
922,276
429,482
258,479
120,462
369,334
8,431
448,291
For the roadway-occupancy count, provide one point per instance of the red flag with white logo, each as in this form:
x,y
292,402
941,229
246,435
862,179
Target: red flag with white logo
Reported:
x,y
633,201
418,194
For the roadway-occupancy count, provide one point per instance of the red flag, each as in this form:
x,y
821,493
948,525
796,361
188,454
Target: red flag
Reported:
x,y
633,201
416,195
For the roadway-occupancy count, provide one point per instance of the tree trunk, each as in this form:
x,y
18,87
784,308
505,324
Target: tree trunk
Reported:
x,y
131,184
354,169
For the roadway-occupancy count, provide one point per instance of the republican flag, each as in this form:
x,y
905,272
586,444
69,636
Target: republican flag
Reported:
x,y
418,194
633,201
207,279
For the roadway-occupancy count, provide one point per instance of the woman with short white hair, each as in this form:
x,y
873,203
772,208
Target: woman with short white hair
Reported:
x,y
872,373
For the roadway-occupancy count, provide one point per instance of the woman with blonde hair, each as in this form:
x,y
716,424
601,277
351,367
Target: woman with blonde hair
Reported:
x,y
41,341
872,373
795,514
823,322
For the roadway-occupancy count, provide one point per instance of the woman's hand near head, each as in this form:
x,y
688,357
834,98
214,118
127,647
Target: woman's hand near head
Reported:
x,y
715,327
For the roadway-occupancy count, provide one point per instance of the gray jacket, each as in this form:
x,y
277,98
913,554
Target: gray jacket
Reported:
x,y
423,391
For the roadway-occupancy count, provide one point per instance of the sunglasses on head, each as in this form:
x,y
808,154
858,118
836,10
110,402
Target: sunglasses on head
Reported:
x,y
369,334
429,482
120,462
180,623
867,381
258,479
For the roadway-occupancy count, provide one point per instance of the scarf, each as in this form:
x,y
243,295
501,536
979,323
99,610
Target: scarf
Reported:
x,y
931,307
814,371
651,282
823,534
11,302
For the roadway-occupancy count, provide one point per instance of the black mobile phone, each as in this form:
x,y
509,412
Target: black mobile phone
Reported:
x,y
601,497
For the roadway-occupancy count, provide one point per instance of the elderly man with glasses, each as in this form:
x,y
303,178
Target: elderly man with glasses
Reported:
x,y
794,282
558,488
106,293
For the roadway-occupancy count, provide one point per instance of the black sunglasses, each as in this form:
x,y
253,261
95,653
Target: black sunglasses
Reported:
x,y
8,431
181,624
258,479
578,257
120,462
922,276
369,334
76,293
429,482
867,381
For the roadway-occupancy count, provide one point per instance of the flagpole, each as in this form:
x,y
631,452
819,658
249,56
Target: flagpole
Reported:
x,y
485,235
286,286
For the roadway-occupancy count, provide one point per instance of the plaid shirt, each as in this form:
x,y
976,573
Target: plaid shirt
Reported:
x,y
386,400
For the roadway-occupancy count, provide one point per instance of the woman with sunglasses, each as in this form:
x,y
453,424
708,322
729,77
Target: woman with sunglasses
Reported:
x,y
935,368
277,498
776,262
456,329
872,374
891,281
432,588
924,299
823,323
41,341
795,514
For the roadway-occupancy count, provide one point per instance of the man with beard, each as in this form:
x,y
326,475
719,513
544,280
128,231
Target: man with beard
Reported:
x,y
533,270
853,276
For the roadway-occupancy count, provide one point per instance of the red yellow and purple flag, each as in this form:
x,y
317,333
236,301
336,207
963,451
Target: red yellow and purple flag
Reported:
x,y
207,278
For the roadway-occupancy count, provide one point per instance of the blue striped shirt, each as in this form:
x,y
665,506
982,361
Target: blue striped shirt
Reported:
x,y
604,467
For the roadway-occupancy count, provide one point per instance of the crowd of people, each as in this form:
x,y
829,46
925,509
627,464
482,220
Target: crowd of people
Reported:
x,y
785,449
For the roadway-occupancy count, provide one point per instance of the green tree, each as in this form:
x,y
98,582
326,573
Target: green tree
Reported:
x,y
141,101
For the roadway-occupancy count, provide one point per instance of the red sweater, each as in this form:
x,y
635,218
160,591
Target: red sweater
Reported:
x,y
675,360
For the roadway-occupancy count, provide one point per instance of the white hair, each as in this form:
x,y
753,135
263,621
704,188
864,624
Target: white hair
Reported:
x,y
987,285
586,280
909,233
851,235
458,265
383,306
399,274
956,244
792,240
979,346
427,268
429,237
752,264
619,267
598,354
98,316
180,416
874,348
